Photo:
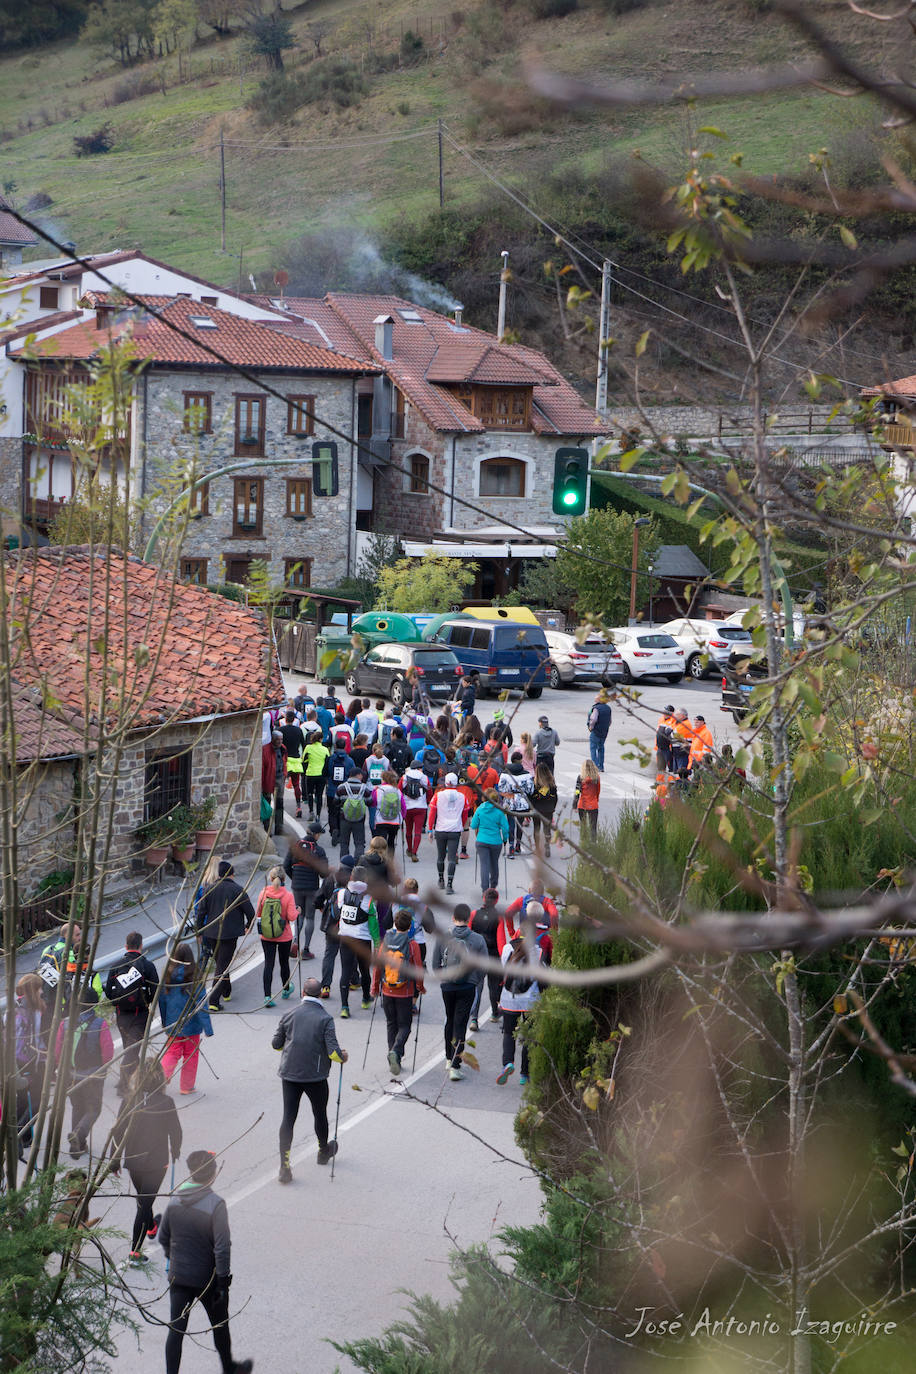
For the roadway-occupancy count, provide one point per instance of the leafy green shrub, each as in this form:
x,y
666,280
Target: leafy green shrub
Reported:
x,y
412,48
332,80
101,140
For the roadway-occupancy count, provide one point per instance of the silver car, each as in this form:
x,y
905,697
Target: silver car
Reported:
x,y
708,644
595,660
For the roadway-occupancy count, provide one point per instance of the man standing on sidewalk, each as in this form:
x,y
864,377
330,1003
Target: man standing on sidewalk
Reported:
x,y
308,1040
459,989
545,743
599,723
131,987
194,1233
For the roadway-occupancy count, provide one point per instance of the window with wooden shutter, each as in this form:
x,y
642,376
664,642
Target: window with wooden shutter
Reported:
x,y
297,572
249,425
298,496
194,570
198,412
48,297
199,501
247,507
418,464
300,415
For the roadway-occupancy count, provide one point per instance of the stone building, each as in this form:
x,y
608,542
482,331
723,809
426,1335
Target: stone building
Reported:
x,y
212,391
455,409
125,681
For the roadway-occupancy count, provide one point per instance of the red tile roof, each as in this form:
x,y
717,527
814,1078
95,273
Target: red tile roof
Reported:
x,y
35,326
40,734
240,342
179,651
904,386
434,350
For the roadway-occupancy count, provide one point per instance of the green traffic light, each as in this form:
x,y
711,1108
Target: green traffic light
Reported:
x,y
570,498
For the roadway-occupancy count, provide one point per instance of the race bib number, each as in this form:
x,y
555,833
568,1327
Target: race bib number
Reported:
x,y
50,975
349,915
127,980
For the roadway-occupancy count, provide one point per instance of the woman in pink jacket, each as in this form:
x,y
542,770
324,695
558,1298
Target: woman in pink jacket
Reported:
x,y
276,914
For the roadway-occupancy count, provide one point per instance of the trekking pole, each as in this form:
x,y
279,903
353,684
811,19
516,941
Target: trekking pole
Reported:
x,y
337,1116
416,1038
371,1019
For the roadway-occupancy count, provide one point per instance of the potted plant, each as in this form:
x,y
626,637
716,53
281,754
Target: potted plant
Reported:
x,y
184,832
204,813
156,837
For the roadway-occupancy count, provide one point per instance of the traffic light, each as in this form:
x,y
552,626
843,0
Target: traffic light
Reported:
x,y
570,481
325,478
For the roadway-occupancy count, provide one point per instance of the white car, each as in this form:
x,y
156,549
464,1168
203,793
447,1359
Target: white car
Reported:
x,y
594,660
649,653
708,644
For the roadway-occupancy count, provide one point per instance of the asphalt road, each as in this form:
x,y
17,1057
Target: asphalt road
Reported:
x,y
320,1261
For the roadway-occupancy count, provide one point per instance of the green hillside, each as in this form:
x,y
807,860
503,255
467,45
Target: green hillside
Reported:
x,y
373,167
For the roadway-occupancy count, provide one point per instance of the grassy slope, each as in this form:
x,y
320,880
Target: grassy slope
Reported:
x,y
158,190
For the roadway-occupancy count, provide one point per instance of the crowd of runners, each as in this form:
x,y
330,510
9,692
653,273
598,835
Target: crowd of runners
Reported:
x,y
371,785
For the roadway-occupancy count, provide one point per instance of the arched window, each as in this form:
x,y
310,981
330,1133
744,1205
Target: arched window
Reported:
x,y
418,466
503,477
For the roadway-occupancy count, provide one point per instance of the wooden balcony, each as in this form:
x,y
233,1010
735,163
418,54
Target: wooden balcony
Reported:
x,y
41,510
897,436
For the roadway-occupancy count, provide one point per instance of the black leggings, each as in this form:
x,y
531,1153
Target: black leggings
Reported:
x,y
317,1093
271,949
355,965
147,1181
181,1299
314,789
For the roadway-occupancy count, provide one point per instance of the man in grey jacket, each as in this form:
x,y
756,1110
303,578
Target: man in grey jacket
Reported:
x,y
308,1040
459,984
544,743
194,1233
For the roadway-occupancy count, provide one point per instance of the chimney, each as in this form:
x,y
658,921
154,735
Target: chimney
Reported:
x,y
384,326
459,313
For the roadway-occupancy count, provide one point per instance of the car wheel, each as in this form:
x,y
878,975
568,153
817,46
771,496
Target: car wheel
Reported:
x,y
350,684
397,693
553,677
674,678
534,692
627,675
695,667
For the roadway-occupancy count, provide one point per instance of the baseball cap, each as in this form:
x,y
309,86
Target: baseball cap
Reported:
x,y
451,779
347,861
542,720
669,708
315,828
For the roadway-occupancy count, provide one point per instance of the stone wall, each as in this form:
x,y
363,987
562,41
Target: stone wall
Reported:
x,y
704,422
322,537
10,483
220,767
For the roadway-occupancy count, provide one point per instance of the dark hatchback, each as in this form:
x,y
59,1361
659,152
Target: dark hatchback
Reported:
x,y
383,672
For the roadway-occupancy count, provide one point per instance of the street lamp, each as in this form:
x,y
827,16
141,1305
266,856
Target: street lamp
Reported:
x,y
651,570
643,520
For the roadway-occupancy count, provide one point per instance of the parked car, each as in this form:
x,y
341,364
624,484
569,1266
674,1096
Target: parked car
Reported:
x,y
505,654
594,660
737,685
383,672
649,653
708,644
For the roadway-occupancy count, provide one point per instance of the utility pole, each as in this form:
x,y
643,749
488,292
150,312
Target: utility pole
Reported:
x,y
441,183
503,280
604,330
222,190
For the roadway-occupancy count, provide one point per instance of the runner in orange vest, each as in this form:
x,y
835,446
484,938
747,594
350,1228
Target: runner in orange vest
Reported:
x,y
702,742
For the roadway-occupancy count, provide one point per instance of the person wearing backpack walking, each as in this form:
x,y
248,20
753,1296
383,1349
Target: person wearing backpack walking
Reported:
x,y
194,1233
91,1049
400,754
415,791
358,933
544,800
339,768
306,864
276,913
423,923
486,920
458,991
354,796
184,1015
519,994
390,809
131,987
448,817
146,1133
492,830
515,787
226,915
308,1041
397,985
330,919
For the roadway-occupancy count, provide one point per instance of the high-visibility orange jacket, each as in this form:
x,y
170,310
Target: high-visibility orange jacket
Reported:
x,y
701,744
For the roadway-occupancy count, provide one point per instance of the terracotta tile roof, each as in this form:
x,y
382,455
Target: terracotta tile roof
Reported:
x,y
35,326
11,231
904,386
180,651
40,733
246,343
433,350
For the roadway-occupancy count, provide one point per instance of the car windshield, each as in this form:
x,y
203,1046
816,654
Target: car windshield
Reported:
x,y
656,642
435,658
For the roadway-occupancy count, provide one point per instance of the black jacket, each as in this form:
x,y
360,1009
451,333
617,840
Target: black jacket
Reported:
x,y
150,1133
121,992
305,864
485,920
225,912
194,1233
400,756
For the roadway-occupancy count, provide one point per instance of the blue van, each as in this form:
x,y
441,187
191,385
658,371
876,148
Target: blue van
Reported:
x,y
506,654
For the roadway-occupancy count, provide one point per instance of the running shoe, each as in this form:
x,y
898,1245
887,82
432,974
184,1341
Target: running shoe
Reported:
x,y
504,1076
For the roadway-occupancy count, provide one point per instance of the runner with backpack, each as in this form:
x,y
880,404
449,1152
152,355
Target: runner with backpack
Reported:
x,y
131,987
306,864
398,986
520,992
184,1015
390,809
459,989
415,790
330,919
354,796
400,754
358,933
90,1050
339,768
276,914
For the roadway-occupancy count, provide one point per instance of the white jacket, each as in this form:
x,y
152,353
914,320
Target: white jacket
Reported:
x,y
449,809
520,1001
